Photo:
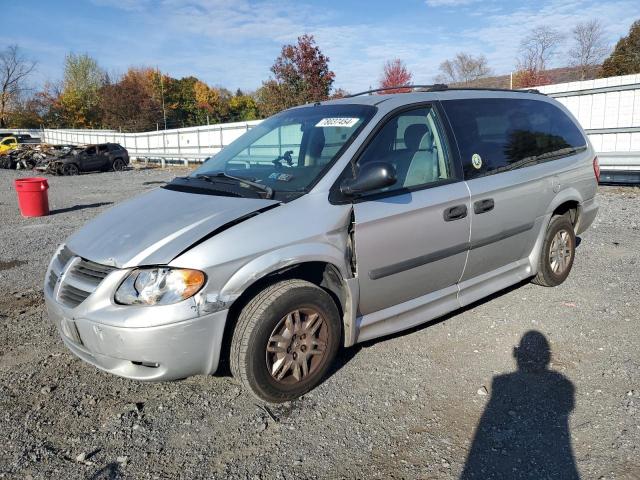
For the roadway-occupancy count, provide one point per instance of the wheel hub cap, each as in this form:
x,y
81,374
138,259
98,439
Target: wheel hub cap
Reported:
x,y
560,252
297,345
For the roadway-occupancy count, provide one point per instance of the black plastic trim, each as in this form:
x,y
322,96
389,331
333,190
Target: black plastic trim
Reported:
x,y
415,262
399,267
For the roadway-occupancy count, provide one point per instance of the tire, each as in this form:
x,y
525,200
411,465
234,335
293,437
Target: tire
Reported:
x,y
118,165
271,341
558,252
70,169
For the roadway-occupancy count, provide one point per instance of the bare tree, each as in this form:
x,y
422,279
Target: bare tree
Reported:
x,y
537,49
464,68
589,46
14,70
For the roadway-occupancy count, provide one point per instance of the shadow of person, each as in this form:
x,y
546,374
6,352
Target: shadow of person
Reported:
x,y
524,431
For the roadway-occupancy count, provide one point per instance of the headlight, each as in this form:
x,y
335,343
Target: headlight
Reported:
x,y
159,286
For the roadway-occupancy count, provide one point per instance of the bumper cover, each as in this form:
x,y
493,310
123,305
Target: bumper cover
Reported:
x,y
587,214
162,352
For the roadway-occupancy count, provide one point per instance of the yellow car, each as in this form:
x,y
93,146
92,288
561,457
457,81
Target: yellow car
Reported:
x,y
8,143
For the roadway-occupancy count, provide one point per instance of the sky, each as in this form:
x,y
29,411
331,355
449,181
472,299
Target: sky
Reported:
x,y
233,43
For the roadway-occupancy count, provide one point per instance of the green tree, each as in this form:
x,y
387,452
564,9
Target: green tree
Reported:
x,y
301,75
625,58
242,107
81,88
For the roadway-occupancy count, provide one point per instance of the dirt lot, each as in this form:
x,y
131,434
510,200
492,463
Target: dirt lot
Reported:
x,y
408,406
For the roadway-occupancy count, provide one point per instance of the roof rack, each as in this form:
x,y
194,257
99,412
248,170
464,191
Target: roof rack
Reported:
x,y
440,87
436,87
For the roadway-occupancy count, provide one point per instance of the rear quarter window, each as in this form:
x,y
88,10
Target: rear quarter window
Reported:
x,y
498,134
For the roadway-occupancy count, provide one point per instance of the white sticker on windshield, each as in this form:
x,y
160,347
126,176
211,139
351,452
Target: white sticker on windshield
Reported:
x,y
337,122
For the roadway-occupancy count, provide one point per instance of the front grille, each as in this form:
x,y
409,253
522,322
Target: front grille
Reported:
x,y
53,278
72,296
81,279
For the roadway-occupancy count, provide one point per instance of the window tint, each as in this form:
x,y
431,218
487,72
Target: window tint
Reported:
x,y
91,151
411,142
102,148
496,134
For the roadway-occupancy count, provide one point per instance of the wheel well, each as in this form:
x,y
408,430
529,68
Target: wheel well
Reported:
x,y
570,208
322,274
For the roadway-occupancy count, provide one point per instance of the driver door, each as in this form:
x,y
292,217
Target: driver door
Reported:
x,y
90,160
411,239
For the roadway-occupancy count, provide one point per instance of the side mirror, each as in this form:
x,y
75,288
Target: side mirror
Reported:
x,y
371,176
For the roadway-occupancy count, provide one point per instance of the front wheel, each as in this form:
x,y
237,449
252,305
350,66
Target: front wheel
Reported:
x,y
285,341
558,251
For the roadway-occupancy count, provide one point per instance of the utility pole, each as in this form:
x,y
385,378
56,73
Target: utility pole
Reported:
x,y
164,112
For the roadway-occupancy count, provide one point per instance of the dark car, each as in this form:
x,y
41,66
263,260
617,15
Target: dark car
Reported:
x,y
26,138
91,158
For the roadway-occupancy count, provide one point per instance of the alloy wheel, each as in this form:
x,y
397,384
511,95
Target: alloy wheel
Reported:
x,y
560,252
297,346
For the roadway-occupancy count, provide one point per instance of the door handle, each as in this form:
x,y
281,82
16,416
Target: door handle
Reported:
x,y
455,213
482,206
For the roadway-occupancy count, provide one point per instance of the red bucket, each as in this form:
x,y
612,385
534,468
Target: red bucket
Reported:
x,y
32,196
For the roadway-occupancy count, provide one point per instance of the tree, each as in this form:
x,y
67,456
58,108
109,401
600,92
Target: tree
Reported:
x,y
301,75
536,51
625,58
464,69
589,47
131,103
395,74
14,71
538,48
81,87
242,107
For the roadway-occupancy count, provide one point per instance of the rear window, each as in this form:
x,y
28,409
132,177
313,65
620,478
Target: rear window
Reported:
x,y
114,147
498,134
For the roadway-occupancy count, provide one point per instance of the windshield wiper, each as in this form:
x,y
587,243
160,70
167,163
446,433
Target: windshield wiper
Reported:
x,y
256,186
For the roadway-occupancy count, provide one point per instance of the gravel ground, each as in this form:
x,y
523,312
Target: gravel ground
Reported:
x,y
422,404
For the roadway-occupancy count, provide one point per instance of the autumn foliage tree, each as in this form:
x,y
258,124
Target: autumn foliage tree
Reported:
x,y
301,75
131,104
394,74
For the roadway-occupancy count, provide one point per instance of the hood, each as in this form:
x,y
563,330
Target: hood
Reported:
x,y
153,228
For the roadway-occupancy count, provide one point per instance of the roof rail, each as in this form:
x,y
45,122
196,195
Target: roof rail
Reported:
x,y
437,87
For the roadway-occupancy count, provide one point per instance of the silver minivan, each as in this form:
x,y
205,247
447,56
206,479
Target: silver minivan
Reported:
x,y
327,225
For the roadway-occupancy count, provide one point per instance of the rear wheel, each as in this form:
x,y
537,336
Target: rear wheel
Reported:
x,y
118,165
558,251
70,169
286,339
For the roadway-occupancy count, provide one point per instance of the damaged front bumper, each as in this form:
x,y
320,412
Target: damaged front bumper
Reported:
x,y
152,343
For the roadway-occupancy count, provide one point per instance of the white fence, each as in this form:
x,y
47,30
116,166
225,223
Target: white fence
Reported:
x,y
194,143
609,111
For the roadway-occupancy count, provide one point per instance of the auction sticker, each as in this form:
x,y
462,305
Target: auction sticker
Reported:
x,y
476,161
337,122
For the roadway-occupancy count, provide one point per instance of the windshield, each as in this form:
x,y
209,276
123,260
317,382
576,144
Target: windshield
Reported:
x,y
290,151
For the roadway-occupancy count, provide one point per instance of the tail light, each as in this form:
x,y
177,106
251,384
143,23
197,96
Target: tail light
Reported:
x,y
596,169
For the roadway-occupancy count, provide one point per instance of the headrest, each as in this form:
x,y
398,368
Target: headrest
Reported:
x,y
413,135
426,142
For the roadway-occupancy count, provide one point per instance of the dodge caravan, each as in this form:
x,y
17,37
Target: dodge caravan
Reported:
x,y
323,226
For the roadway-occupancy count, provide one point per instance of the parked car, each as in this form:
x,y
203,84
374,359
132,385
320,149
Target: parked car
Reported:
x,y
91,158
7,144
26,138
323,226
